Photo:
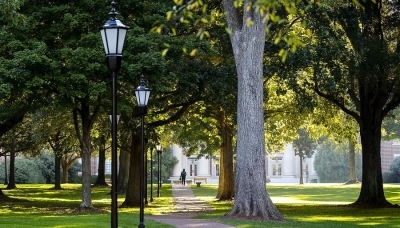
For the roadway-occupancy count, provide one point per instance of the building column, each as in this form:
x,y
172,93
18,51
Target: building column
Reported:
x,y
288,161
178,153
203,167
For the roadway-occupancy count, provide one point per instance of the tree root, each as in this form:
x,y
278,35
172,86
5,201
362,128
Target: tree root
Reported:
x,y
88,210
352,182
373,205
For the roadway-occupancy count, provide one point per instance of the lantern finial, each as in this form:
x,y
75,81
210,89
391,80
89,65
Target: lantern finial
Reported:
x,y
113,13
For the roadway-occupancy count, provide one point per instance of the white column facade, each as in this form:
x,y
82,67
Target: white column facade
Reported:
x,y
288,161
203,167
313,173
178,153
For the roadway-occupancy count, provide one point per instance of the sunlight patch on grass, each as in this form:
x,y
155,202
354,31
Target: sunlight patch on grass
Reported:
x,y
294,200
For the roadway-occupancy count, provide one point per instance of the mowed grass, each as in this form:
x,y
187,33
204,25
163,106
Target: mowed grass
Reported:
x,y
41,206
312,205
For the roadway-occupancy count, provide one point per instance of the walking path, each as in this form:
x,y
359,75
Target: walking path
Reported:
x,y
187,206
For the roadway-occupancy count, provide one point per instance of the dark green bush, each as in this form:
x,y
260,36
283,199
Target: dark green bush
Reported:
x,y
27,171
390,177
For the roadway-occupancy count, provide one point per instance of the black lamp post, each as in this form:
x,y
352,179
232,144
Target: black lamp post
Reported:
x,y
113,34
151,174
146,202
159,151
142,96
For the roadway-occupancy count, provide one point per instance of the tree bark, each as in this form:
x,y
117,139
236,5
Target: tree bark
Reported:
x,y
352,164
57,171
101,177
132,198
251,196
11,178
301,169
123,172
65,167
371,193
226,187
86,178
66,162
84,137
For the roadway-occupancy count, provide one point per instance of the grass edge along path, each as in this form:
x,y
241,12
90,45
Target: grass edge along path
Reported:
x,y
311,205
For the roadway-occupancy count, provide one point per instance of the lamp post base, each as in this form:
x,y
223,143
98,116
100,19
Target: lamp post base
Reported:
x,y
141,225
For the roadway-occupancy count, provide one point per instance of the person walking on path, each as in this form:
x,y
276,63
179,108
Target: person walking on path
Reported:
x,y
183,177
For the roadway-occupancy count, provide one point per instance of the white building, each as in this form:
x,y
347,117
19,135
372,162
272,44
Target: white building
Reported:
x,y
203,167
280,168
285,167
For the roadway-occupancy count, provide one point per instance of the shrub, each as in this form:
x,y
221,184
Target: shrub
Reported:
x,y
390,177
27,171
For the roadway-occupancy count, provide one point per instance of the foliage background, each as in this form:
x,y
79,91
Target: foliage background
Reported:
x,y
332,163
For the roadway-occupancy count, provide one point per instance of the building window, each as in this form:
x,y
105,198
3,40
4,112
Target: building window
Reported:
x,y
193,170
217,170
307,170
276,169
279,169
108,166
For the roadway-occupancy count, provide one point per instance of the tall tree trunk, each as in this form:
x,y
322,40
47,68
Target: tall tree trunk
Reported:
x,y
86,178
251,196
11,180
66,162
371,193
132,198
226,187
101,177
301,169
65,167
84,137
57,171
123,172
352,164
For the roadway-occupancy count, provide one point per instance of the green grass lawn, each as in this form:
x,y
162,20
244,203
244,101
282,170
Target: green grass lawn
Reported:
x,y
310,205
45,207
313,205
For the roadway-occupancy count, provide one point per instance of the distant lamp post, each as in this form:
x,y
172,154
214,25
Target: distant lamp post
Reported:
x,y
113,34
151,174
159,151
142,97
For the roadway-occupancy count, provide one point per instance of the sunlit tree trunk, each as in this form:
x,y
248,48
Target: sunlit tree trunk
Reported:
x,y
123,172
248,41
132,198
226,187
83,132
